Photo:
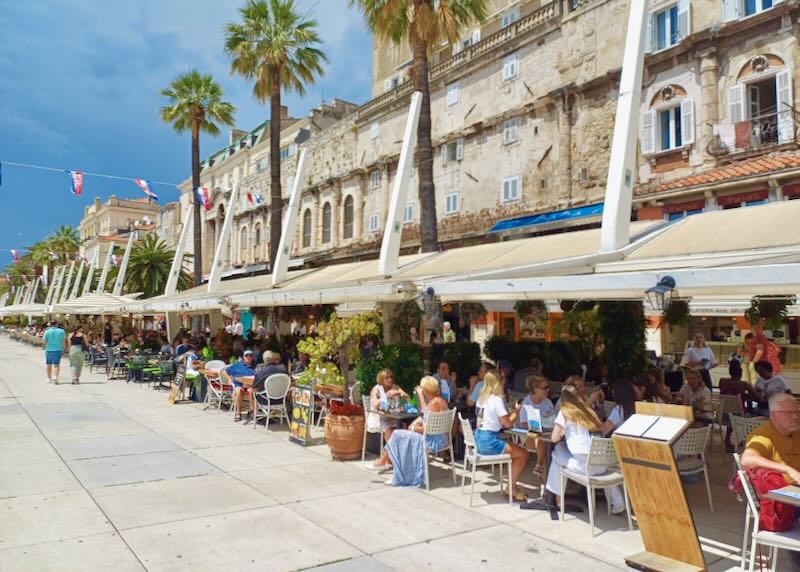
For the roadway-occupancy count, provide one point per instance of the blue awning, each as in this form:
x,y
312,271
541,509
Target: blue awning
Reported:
x,y
555,216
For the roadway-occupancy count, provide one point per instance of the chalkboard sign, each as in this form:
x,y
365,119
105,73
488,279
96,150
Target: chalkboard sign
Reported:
x,y
302,403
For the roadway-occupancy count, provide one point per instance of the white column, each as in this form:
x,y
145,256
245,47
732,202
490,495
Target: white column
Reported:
x,y
89,275
123,268
281,266
35,290
616,227
177,262
101,284
392,233
225,236
77,283
52,290
67,284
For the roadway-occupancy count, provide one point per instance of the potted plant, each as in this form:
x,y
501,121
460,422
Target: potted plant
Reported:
x,y
677,314
344,429
772,311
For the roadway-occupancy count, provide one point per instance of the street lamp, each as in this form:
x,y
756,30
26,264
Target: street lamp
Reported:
x,y
660,295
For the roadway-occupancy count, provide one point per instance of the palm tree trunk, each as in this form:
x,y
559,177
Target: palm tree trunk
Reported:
x,y
197,230
276,202
427,191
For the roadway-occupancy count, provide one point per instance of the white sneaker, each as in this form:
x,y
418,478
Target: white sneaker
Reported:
x,y
55,381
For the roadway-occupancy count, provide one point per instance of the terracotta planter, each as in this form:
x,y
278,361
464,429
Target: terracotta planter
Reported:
x,y
344,435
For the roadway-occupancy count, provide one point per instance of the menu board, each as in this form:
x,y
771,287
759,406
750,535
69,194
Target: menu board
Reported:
x,y
302,402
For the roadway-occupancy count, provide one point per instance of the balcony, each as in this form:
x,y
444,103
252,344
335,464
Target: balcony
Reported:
x,y
759,134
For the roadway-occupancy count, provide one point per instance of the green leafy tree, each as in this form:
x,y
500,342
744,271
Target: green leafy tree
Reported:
x,y
276,46
622,327
424,25
64,242
195,104
148,268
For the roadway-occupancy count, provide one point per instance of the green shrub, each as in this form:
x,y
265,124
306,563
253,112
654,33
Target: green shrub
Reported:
x,y
560,359
623,334
405,361
464,359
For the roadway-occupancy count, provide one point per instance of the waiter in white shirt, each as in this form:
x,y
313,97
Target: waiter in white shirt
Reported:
x,y
700,357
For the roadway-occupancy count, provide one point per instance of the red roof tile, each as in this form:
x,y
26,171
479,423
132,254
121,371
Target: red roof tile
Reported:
x,y
742,169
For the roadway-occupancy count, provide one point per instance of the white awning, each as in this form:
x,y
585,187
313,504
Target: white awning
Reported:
x,y
95,303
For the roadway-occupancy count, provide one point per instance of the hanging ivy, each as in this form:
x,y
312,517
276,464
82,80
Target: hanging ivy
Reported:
x,y
677,314
408,315
772,311
471,311
622,329
530,309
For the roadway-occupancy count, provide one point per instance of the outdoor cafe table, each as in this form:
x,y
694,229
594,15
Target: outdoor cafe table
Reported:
x,y
399,415
791,497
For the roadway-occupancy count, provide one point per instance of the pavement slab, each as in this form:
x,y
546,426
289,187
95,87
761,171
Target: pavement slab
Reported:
x,y
97,553
112,445
19,480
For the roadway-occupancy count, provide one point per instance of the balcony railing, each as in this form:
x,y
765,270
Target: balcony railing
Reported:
x,y
541,16
764,130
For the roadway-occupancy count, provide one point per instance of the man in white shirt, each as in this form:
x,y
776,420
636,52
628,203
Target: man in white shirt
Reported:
x,y
238,329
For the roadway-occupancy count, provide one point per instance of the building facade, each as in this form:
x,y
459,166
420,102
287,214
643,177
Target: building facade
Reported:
x,y
523,110
105,225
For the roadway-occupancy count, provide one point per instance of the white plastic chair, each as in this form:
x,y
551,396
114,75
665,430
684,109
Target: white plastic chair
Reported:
x,y
601,453
439,423
742,426
789,540
218,391
215,365
472,457
690,446
722,406
365,400
276,387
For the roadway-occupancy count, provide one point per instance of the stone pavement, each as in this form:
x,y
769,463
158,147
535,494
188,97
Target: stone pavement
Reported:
x,y
107,476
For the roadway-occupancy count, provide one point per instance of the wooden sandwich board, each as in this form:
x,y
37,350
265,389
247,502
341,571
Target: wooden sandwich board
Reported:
x,y
644,450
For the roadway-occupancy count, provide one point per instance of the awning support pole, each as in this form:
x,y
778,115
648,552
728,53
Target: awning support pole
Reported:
x,y
177,262
616,226
75,286
281,266
393,231
123,268
101,284
220,256
67,284
54,285
88,285
34,290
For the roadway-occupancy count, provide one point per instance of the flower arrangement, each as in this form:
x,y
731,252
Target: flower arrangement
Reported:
x,y
346,409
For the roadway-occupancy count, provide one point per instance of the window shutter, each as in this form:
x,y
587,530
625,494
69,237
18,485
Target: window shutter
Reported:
x,y
387,85
783,83
736,103
648,38
684,19
647,132
459,149
476,36
687,121
730,10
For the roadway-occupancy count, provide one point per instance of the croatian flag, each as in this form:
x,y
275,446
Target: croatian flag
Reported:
x,y
204,197
15,255
145,186
75,182
259,199
114,259
250,198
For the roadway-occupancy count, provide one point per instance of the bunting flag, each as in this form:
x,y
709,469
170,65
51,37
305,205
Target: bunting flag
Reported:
x,y
259,199
53,255
114,259
75,182
145,186
204,197
250,200
83,257
15,255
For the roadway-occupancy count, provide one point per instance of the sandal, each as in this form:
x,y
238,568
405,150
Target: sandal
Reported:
x,y
237,418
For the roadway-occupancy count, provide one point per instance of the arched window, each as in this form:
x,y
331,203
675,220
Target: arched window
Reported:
x,y
347,231
307,228
257,241
243,244
326,223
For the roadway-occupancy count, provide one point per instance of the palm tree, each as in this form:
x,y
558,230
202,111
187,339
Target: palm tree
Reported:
x,y
149,266
424,24
65,243
275,45
195,104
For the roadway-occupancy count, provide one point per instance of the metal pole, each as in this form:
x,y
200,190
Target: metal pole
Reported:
x,y
123,268
88,284
65,291
177,262
616,227
390,247
101,284
74,292
281,262
222,246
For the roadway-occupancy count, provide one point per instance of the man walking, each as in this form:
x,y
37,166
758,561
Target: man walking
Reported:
x,y
54,344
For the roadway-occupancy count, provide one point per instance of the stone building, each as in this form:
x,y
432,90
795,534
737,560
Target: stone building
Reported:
x,y
105,225
523,109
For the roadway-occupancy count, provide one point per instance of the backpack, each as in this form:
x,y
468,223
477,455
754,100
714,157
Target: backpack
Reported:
x,y
773,516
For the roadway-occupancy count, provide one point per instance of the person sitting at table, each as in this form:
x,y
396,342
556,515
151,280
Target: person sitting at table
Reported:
x,y
653,392
695,393
537,398
735,385
775,445
476,383
272,365
594,400
535,367
446,382
240,369
492,418
399,452
385,389
574,427
768,384
182,347
626,394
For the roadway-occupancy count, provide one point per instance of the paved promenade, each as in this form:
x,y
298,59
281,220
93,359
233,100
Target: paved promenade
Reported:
x,y
108,476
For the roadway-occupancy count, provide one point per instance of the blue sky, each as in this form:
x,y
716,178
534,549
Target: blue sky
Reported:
x,y
79,89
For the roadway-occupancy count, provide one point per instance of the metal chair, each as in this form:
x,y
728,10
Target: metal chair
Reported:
x,y
789,540
272,399
365,400
439,423
601,453
472,457
690,454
